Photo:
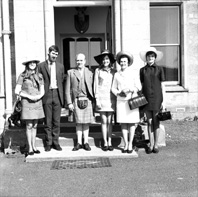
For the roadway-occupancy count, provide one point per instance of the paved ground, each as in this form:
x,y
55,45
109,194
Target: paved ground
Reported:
x,y
171,173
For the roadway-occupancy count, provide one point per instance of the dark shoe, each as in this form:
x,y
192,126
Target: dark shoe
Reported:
x,y
110,148
155,150
36,151
87,147
124,151
105,148
57,147
77,147
148,150
48,148
129,151
31,153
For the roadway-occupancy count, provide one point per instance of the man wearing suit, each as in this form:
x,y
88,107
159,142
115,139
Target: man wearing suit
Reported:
x,y
53,74
79,98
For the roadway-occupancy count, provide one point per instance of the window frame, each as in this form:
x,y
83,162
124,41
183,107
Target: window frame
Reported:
x,y
175,86
178,44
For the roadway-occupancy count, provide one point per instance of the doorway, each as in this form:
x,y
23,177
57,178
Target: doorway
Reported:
x,y
97,37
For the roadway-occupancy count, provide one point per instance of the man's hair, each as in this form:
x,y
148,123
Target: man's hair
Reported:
x,y
53,48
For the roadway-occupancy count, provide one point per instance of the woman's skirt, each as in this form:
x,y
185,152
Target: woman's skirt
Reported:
x,y
32,110
124,114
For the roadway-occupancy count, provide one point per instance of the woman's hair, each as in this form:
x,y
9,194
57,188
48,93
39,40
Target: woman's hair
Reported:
x,y
27,74
110,64
124,56
151,53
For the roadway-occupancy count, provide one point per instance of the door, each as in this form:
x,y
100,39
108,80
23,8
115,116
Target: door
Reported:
x,y
90,45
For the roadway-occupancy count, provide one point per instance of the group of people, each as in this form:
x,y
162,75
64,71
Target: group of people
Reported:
x,y
44,92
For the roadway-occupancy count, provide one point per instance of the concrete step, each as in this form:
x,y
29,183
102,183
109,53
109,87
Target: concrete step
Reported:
x,y
68,154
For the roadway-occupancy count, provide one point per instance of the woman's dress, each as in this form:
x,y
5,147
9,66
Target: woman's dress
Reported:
x,y
31,109
102,89
126,80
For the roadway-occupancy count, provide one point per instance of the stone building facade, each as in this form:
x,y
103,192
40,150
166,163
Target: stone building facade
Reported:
x,y
29,27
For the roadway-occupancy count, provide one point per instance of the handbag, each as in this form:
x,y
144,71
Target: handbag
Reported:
x,y
137,101
15,117
164,115
82,103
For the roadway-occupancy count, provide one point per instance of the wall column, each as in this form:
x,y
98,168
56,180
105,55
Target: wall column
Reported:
x,y
7,57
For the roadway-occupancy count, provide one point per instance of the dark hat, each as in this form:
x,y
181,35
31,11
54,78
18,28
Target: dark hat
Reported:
x,y
127,54
32,60
100,57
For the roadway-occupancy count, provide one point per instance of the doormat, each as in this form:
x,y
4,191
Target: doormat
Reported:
x,y
81,163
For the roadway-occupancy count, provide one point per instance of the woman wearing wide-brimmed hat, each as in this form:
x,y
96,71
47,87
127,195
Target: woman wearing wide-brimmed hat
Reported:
x,y
30,88
152,77
105,100
126,85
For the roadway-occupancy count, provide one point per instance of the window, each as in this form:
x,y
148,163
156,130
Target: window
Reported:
x,y
165,36
90,46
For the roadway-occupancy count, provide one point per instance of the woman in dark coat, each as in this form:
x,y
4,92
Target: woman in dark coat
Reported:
x,y
152,78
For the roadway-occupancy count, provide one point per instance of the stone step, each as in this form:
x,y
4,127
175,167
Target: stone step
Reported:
x,y
68,154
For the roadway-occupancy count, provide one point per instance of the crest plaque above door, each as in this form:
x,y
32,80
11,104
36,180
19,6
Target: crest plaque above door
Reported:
x,y
81,20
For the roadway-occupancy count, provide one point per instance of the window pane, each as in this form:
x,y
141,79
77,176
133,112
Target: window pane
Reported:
x,y
95,49
164,24
170,62
82,46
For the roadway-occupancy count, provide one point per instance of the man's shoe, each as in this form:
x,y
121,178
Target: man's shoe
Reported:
x,y
87,147
57,147
48,148
77,147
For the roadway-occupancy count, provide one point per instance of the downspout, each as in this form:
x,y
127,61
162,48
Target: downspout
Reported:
x,y
121,26
7,57
44,23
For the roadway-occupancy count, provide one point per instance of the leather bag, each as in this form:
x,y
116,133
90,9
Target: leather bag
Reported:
x,y
164,115
82,103
137,101
15,117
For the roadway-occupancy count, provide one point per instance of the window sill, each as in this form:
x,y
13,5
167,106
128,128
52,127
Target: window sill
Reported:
x,y
176,88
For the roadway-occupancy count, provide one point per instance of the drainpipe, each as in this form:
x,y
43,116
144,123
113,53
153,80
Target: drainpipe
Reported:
x,y
7,56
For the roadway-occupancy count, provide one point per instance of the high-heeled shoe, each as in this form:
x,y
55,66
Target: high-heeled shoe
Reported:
x,y
105,148
124,151
129,151
37,151
155,150
30,153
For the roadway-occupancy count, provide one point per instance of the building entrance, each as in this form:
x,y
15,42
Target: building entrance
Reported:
x,y
91,41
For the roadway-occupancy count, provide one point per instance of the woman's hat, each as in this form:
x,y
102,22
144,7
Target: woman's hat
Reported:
x,y
159,54
31,60
100,57
127,54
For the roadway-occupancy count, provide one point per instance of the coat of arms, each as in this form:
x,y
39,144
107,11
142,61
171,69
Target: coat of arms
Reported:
x,y
81,20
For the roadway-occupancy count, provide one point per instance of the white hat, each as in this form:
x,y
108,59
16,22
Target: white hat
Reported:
x,y
127,54
159,54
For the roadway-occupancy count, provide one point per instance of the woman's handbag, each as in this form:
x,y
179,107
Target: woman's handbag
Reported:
x,y
164,115
82,102
15,118
137,101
